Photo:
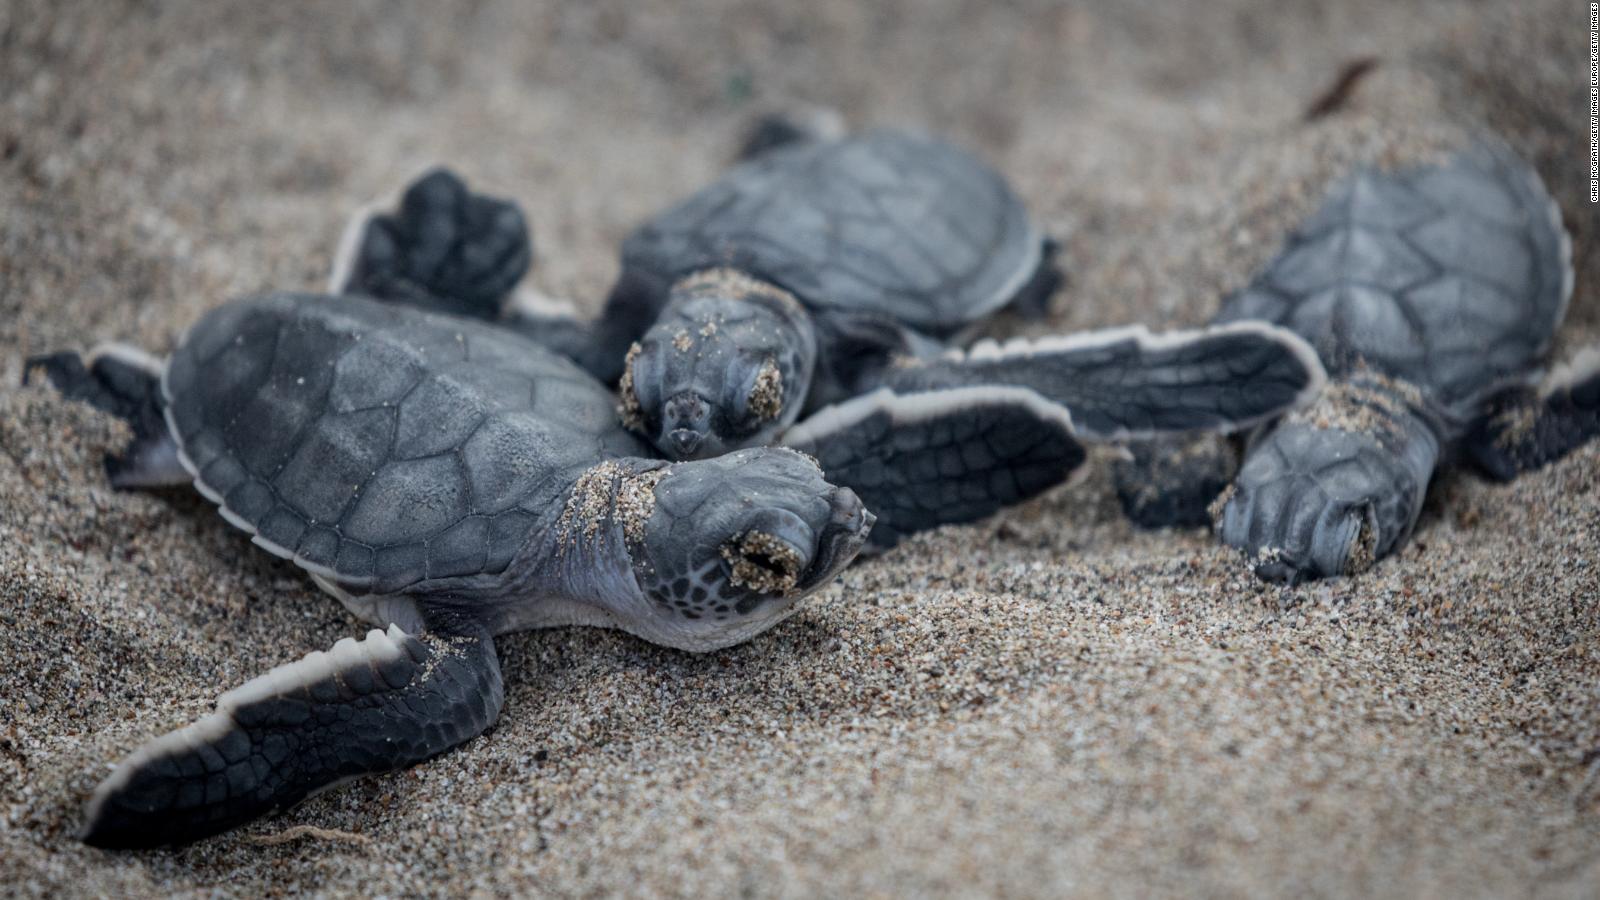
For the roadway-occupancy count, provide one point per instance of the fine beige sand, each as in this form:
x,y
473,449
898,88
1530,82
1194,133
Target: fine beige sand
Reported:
x,y
1046,703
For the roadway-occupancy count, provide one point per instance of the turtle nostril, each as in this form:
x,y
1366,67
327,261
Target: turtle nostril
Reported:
x,y
687,408
685,441
685,423
846,506
848,515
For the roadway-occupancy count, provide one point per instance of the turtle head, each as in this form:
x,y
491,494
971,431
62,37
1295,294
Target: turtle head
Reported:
x,y
734,543
727,365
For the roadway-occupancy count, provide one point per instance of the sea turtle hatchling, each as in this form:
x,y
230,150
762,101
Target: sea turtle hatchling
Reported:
x,y
1432,294
449,482
824,278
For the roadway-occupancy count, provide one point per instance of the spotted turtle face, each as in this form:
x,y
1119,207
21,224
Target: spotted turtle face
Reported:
x,y
734,542
724,367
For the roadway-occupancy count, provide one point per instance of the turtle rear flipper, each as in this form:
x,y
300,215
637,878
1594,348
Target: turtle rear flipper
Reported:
x,y
449,250
1527,430
1127,382
788,127
444,249
940,457
364,707
125,382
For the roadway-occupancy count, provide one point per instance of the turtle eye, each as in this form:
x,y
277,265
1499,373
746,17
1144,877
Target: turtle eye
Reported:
x,y
762,562
764,400
741,395
638,390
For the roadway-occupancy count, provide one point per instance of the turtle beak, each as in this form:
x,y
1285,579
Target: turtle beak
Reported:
x,y
683,442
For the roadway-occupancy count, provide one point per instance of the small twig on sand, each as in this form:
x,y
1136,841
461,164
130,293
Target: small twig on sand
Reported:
x,y
1338,94
309,831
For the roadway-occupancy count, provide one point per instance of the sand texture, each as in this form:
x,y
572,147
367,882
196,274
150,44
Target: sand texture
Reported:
x,y
1046,703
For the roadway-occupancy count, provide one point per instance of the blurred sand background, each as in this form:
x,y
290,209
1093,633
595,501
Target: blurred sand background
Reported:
x,y
1041,704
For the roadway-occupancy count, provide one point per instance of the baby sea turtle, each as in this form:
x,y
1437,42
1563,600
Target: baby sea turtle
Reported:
x,y
823,277
450,482
1432,294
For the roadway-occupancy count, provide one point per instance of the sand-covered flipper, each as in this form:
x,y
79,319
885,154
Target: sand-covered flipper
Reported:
x,y
125,382
1128,382
444,248
368,706
940,457
1529,429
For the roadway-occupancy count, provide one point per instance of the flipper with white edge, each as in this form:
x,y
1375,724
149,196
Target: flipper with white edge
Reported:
x,y
124,381
446,249
797,124
1127,382
364,707
940,457
443,248
1527,430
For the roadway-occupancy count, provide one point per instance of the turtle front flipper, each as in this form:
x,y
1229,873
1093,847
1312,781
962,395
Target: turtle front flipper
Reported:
x,y
790,127
940,457
1127,382
444,249
1530,429
367,706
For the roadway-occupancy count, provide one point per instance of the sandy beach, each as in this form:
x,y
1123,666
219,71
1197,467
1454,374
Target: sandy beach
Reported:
x,y
1046,703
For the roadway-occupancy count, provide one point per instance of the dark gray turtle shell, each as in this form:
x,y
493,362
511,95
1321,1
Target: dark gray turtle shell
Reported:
x,y
884,222
1452,277
378,446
